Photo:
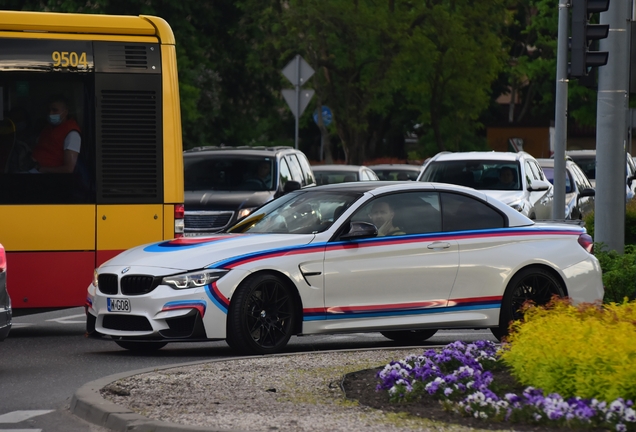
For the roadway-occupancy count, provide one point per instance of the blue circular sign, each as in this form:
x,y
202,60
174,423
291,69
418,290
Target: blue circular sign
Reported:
x,y
326,116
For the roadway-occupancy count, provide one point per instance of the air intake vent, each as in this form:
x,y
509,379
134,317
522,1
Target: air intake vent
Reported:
x,y
138,284
127,57
107,283
129,148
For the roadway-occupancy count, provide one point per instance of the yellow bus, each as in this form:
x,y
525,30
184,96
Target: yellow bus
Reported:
x,y
118,78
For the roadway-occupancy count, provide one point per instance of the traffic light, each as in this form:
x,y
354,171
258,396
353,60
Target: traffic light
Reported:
x,y
583,33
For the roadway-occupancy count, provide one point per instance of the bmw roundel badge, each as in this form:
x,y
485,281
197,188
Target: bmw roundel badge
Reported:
x,y
125,270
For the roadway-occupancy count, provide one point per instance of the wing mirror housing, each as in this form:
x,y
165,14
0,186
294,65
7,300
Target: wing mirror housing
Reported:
x,y
291,186
587,192
539,185
360,230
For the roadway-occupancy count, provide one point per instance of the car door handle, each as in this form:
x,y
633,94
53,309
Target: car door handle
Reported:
x,y
439,245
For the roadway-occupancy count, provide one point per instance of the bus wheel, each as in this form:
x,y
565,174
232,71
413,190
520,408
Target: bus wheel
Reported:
x,y
261,318
409,336
141,346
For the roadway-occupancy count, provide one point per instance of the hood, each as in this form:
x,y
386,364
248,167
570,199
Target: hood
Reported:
x,y
225,200
507,197
191,253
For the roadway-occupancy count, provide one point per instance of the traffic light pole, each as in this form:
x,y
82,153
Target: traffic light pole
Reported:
x,y
561,113
611,130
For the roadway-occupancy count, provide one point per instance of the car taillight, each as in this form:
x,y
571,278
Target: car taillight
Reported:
x,y
179,212
586,242
3,259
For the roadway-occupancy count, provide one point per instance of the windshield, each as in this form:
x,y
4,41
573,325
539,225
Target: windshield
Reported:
x,y
587,164
549,174
477,174
205,172
334,176
305,212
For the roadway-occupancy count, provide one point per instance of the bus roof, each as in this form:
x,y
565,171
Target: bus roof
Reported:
x,y
54,22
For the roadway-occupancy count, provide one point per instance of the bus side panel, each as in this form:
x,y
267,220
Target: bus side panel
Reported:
x,y
168,222
123,226
172,144
49,279
48,227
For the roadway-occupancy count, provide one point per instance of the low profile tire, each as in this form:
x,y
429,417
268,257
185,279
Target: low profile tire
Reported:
x,y
530,284
409,336
141,346
262,315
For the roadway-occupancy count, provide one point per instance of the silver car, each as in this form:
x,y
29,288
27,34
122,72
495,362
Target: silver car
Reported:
x,y
514,178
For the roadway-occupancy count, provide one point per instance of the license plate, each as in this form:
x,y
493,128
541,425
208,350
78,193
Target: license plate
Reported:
x,y
118,305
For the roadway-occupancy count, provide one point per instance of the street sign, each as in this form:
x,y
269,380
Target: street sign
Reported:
x,y
326,116
290,98
298,71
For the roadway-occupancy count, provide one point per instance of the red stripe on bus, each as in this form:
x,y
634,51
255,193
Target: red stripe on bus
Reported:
x,y
105,255
49,279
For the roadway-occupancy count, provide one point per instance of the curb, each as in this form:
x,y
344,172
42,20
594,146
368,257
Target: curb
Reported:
x,y
89,405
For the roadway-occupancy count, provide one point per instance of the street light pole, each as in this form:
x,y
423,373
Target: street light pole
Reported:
x,y
561,113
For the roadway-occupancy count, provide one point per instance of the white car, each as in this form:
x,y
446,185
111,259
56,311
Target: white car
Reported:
x,y
316,261
529,192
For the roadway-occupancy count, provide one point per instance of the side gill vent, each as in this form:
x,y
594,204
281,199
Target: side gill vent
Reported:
x,y
130,145
128,57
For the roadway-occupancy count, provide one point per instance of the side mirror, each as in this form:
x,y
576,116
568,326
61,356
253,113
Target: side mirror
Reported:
x,y
360,230
539,185
291,186
630,180
587,192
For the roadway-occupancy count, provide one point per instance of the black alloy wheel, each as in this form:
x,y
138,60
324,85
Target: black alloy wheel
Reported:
x,y
534,284
409,336
262,316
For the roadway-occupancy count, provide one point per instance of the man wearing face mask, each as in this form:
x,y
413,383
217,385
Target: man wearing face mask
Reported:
x,y
59,142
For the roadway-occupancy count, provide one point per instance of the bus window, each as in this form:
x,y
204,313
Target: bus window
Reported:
x,y
117,78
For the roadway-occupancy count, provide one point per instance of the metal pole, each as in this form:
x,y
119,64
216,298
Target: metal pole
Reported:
x,y
611,133
297,100
561,113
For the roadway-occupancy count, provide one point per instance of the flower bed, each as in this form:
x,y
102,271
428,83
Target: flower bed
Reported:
x,y
460,377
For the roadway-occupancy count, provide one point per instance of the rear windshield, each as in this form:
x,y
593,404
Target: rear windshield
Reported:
x,y
229,173
476,174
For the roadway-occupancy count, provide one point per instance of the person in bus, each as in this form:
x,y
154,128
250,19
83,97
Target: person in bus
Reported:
x,y
59,143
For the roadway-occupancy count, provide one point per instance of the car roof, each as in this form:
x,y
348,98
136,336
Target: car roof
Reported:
x,y
336,167
480,155
396,167
580,152
240,150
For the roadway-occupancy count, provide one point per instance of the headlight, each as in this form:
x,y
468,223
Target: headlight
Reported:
x,y
193,279
244,212
95,278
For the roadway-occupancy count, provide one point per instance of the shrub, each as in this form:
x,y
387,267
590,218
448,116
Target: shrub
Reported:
x,y
619,273
586,351
630,223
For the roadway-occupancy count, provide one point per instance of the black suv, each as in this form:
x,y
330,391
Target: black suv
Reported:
x,y
225,184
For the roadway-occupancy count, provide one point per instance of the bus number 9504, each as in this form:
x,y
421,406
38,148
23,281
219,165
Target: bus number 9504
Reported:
x,y
69,59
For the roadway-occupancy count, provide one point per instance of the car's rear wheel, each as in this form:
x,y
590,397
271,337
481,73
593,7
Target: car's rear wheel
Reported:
x,y
534,284
262,315
141,346
409,336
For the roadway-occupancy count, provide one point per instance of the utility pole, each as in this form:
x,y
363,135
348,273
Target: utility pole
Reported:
x,y
561,112
611,131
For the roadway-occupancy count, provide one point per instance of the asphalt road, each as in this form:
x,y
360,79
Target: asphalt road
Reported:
x,y
46,358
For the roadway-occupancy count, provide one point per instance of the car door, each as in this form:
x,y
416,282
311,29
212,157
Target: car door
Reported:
x,y
393,280
540,200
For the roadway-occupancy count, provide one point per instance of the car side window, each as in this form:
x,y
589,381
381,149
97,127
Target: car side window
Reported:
x,y
284,173
402,213
531,173
579,178
308,174
296,171
461,213
538,170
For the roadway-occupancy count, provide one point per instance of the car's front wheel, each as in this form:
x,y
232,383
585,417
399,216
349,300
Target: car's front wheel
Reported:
x,y
409,336
141,346
534,284
262,315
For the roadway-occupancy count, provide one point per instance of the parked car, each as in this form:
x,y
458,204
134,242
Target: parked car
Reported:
x,y
225,184
317,261
330,174
586,160
5,300
579,192
527,189
398,172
